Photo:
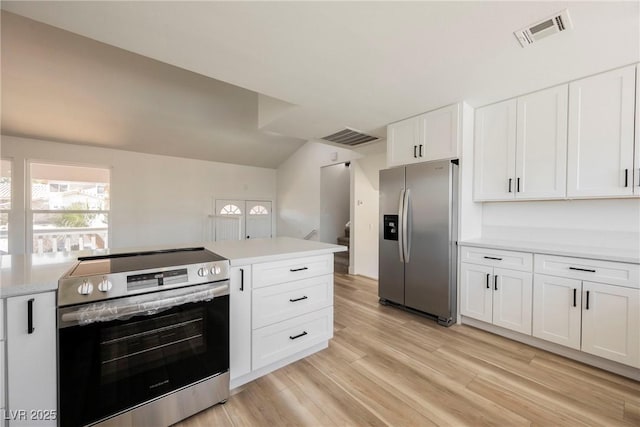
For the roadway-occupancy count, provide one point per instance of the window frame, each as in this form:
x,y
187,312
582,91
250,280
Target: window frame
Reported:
x,y
29,211
10,211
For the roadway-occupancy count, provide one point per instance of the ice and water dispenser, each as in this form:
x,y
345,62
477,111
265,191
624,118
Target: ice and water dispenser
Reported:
x,y
390,227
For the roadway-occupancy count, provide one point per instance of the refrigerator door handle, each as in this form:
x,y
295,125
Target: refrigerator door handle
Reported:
x,y
400,225
405,225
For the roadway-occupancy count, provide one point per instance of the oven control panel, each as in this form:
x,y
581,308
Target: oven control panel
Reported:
x,y
76,290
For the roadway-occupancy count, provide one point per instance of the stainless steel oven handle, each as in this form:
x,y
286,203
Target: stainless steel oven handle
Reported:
x,y
140,305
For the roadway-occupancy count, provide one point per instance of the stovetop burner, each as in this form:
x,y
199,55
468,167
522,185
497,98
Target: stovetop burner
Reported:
x,y
103,277
135,261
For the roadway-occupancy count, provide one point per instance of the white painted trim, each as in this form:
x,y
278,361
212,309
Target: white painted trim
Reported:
x,y
598,362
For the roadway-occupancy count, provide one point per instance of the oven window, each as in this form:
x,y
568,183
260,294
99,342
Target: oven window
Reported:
x,y
144,345
106,368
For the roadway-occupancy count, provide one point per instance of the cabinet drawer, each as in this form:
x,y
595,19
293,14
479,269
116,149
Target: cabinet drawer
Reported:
x,y
522,261
614,273
270,273
274,303
276,342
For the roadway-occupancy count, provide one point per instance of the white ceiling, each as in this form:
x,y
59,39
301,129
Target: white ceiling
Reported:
x,y
357,64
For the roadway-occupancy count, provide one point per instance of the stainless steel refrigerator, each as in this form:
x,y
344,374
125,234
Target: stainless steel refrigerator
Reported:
x,y
418,232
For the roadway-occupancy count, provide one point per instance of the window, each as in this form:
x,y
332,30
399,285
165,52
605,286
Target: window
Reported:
x,y
5,204
230,210
258,210
69,207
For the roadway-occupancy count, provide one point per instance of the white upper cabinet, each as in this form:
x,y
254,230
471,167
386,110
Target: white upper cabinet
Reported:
x,y
541,144
402,142
495,144
601,128
439,130
429,136
520,147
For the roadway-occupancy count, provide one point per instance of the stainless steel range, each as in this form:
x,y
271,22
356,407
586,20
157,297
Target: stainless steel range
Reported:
x,y
143,338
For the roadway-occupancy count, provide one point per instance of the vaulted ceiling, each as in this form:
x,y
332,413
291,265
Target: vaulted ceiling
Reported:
x,y
248,82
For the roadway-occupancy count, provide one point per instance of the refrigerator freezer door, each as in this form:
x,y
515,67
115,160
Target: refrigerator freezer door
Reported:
x,y
390,264
429,215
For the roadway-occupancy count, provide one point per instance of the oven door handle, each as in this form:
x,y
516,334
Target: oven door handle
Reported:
x,y
135,306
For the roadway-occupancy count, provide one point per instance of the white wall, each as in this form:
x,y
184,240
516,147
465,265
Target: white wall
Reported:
x,y
298,183
335,192
365,222
613,223
155,200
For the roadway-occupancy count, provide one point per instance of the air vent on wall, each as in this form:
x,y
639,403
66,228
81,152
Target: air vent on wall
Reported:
x,y
552,25
349,137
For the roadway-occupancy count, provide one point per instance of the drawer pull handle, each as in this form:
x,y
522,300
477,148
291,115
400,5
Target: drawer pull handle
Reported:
x,y
490,257
488,276
242,279
510,179
30,327
298,336
588,270
574,296
626,178
298,269
298,299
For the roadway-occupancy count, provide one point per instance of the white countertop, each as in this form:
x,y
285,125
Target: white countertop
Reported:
x,y
28,274
602,253
243,252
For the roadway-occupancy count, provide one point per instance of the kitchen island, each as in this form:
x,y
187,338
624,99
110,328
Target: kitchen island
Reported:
x,y
281,310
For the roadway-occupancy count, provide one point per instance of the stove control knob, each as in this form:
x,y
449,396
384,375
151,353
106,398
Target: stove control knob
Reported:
x,y
105,285
215,269
85,288
203,271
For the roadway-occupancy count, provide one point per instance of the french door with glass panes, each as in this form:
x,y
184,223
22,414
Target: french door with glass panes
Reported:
x,y
242,219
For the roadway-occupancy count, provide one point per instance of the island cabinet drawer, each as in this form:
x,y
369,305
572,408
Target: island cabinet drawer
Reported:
x,y
614,273
275,303
522,261
270,273
278,341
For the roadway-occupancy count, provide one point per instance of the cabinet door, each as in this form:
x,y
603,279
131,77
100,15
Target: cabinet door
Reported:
x,y
600,148
610,319
541,145
476,291
512,300
557,307
439,134
636,162
494,151
240,322
403,142
31,357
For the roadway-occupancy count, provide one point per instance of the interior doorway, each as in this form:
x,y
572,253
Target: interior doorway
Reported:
x,y
335,210
242,219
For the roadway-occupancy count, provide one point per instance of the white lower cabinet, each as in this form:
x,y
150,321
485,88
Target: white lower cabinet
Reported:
x,y
497,295
557,307
596,318
31,360
280,311
610,322
240,322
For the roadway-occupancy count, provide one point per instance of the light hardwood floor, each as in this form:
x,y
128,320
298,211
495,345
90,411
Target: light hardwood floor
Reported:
x,y
385,366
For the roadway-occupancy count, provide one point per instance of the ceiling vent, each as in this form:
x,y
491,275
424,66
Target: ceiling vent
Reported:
x,y
349,137
547,27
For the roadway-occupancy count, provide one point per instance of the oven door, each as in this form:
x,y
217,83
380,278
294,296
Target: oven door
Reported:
x,y
119,354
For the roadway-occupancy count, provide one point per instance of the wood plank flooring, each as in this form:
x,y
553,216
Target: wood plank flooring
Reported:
x,y
385,366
